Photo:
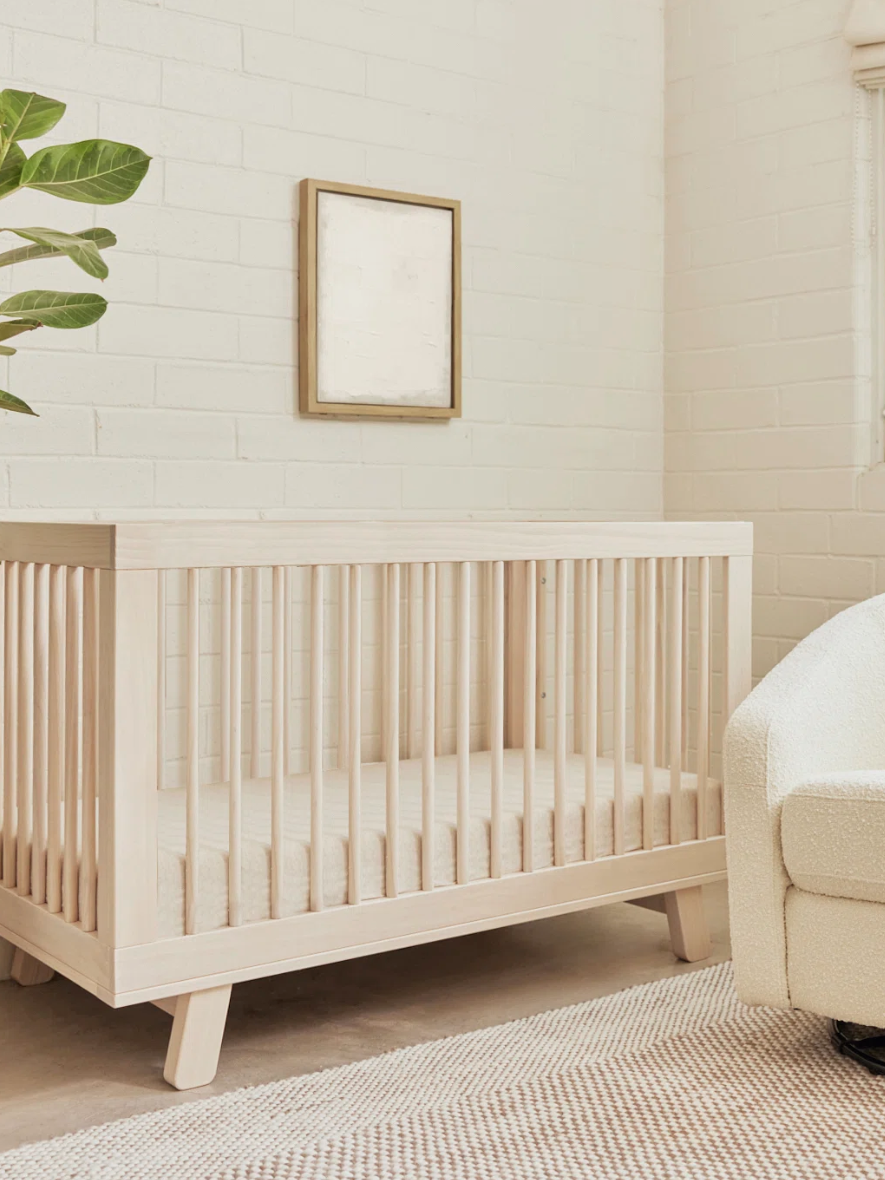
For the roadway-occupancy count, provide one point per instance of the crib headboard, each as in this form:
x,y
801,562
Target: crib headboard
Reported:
x,y
145,655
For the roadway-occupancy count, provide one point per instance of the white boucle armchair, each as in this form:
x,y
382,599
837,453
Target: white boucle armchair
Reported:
x,y
805,825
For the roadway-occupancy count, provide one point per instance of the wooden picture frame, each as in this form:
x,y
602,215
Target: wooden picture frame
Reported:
x,y
310,401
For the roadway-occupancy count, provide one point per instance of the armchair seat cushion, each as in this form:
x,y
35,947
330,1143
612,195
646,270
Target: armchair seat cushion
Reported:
x,y
833,835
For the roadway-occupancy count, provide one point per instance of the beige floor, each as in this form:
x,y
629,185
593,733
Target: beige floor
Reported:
x,y
70,1062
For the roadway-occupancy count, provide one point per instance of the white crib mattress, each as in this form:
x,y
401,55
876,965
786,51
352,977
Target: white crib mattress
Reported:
x,y
212,904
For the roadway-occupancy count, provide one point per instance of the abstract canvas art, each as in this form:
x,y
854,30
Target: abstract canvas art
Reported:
x,y
380,303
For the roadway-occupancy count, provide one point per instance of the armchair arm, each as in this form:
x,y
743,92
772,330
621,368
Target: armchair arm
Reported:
x,y
821,709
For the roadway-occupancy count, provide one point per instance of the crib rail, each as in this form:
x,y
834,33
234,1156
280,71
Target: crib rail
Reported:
x,y
143,656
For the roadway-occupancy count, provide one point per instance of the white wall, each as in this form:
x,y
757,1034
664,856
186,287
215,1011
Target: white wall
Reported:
x,y
766,417
545,119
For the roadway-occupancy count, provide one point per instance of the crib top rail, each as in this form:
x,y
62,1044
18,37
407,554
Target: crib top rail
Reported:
x,y
147,545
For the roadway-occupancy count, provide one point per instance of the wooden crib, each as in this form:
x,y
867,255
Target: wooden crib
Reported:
x,y
237,749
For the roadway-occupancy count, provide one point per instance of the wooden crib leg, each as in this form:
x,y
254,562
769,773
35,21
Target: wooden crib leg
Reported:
x,y
197,1030
7,951
688,924
27,970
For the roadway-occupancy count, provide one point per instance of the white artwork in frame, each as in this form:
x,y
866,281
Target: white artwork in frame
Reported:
x,y
380,302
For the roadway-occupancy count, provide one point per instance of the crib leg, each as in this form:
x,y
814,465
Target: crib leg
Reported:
x,y
688,924
197,1029
7,951
27,970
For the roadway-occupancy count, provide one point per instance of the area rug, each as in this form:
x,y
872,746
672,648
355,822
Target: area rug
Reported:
x,y
670,1079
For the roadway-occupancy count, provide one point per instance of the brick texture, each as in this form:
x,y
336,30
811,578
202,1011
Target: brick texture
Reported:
x,y
546,120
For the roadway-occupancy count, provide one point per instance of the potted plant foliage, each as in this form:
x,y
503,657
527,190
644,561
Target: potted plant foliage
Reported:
x,y
95,172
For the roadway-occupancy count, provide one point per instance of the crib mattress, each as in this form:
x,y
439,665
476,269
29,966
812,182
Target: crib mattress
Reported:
x,y
212,900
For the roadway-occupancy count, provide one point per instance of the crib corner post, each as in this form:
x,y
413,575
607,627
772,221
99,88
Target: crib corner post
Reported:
x,y
737,586
128,705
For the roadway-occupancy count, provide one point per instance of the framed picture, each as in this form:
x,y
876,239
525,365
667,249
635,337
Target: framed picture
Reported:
x,y
379,303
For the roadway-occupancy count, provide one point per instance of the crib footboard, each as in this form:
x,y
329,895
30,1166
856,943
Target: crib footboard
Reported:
x,y
341,737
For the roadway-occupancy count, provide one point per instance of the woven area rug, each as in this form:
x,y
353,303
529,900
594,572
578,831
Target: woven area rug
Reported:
x,y
670,1079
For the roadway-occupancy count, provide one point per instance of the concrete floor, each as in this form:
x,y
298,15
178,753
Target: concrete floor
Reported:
x,y
71,1062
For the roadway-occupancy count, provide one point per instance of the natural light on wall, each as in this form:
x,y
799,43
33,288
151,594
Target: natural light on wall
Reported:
x,y
865,32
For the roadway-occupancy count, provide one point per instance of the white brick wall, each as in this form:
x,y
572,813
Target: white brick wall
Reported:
x,y
764,408
545,119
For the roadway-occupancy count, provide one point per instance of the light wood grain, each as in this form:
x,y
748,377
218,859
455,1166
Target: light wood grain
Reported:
x,y
541,579
56,736
343,665
28,971
619,729
689,935
90,740
73,707
599,695
412,724
440,659
317,677
279,703
560,769
197,1032
462,712
25,785
354,829
579,650
428,737
41,732
649,698
591,705
529,698
225,674
704,680
392,736
497,718
192,823
235,801
255,654
675,693
10,722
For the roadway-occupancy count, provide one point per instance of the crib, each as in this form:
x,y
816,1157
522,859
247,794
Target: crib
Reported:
x,y
232,750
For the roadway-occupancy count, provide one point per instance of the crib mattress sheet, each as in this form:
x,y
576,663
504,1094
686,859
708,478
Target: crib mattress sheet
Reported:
x,y
212,898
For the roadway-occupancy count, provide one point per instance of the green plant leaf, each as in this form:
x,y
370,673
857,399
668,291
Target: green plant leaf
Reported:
x,y
56,309
97,171
11,170
84,253
101,237
25,115
16,327
9,402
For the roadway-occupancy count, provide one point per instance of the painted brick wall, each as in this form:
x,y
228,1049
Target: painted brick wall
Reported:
x,y
546,120
766,417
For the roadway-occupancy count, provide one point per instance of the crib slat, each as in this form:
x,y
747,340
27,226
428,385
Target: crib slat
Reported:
x,y
255,678
88,868
686,637
579,652
225,674
560,767
440,720
674,655
428,739
25,727
235,801
541,657
192,855
354,850
638,655
649,704
591,713
161,679
413,710
497,718
600,656
73,639
317,676
462,711
279,702
343,664
287,669
703,766
10,724
620,699
56,725
392,734
41,731
661,666
530,700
